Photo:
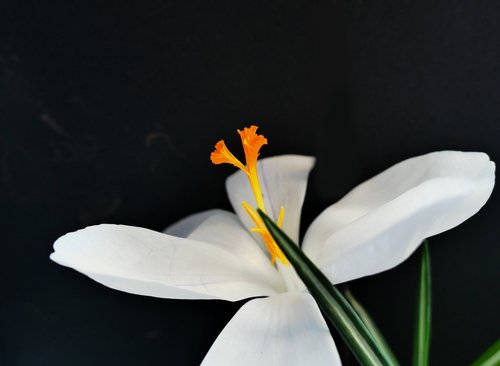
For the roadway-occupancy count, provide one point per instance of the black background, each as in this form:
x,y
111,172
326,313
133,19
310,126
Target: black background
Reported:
x,y
109,111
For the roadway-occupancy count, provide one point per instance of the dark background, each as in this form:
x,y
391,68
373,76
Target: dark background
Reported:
x,y
109,111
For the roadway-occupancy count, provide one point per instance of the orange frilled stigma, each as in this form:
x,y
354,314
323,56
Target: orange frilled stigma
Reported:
x,y
252,143
222,155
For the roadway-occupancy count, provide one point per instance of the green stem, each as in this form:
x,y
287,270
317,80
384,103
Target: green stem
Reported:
x,y
491,357
423,326
372,327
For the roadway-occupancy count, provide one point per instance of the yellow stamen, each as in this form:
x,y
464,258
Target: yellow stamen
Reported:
x,y
252,143
271,246
280,217
261,229
253,215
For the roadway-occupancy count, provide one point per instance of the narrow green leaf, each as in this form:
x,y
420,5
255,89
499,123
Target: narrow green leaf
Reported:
x,y
423,322
333,304
491,357
372,327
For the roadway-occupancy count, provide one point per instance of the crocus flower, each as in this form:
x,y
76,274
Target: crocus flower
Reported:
x,y
218,254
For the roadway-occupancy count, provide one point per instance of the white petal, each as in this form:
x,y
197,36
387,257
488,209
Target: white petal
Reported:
x,y
147,262
286,329
283,181
224,229
382,221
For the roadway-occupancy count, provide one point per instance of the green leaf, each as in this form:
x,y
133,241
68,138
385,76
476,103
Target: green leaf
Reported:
x,y
423,323
491,357
334,305
372,327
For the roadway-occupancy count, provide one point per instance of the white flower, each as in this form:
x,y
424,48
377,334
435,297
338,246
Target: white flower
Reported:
x,y
212,255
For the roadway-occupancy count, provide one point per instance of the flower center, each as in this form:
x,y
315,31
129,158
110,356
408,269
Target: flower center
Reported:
x,y
252,143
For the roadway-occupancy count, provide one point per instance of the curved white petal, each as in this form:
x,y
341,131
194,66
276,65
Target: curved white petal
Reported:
x,y
286,329
283,181
225,230
147,262
382,221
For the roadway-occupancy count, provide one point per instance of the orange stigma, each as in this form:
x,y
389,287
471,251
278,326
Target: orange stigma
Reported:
x,y
222,155
252,143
